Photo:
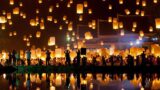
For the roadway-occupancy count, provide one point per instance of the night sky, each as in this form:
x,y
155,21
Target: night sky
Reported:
x,y
100,11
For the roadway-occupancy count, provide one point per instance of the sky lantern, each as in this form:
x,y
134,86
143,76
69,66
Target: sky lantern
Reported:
x,y
24,16
60,27
10,22
150,29
137,12
38,34
57,5
51,41
37,11
143,3
110,7
80,18
10,34
3,27
137,2
38,52
42,27
134,24
49,18
14,33
88,36
33,22
142,13
3,12
133,29
109,19
120,1
11,2
3,19
120,24
40,1
28,44
127,11
58,52
16,10
71,1
122,32
50,9
141,33
115,23
70,27
20,4
55,21
155,1
85,4
68,5
24,37
157,22
79,8
89,11
64,17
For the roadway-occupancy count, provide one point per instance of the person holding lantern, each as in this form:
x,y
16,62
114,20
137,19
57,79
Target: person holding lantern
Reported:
x,y
68,59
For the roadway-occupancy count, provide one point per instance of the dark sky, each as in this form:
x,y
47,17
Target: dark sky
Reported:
x,y
100,11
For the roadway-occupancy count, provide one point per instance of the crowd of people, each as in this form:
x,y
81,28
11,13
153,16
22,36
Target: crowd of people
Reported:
x,y
113,60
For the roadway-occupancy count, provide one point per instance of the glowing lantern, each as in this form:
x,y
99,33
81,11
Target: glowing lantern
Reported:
x,y
150,29
134,24
68,5
58,81
50,9
127,11
24,37
142,13
57,5
88,36
42,27
16,10
133,29
60,27
137,2
28,44
58,52
38,34
3,27
51,41
122,33
120,1
20,4
37,11
155,1
70,27
38,52
120,24
9,16
157,21
64,17
115,23
80,18
71,1
10,22
110,7
4,12
55,21
11,2
85,4
33,22
137,12
10,34
143,3
3,19
141,33
49,18
109,19
89,11
40,1
14,33
79,8
24,16
52,88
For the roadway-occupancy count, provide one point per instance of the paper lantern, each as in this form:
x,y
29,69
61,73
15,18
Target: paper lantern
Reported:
x,y
10,34
40,1
71,1
42,27
142,13
49,18
10,22
3,27
109,19
50,9
80,18
89,11
24,16
3,19
37,11
58,52
137,2
155,1
11,2
58,81
93,22
38,52
55,21
51,41
3,12
20,4
85,4
120,24
14,33
64,17
157,22
110,7
137,12
134,24
9,16
16,10
28,44
60,27
120,1
141,33
70,27
122,33
38,34
57,5
150,29
33,22
115,23
79,8
133,29
127,11
68,5
88,36
143,3
52,88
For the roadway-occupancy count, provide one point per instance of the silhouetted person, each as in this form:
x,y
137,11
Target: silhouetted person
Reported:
x,y
67,80
40,62
158,61
28,83
94,61
47,81
84,61
68,59
14,56
78,80
143,55
111,60
48,57
75,61
10,58
28,53
137,60
130,61
78,57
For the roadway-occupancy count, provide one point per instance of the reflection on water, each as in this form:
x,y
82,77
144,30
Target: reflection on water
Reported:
x,y
76,81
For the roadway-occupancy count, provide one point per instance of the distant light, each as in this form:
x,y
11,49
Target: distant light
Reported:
x,y
137,42
131,43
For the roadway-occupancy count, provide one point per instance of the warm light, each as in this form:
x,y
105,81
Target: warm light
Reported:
x,y
79,8
157,22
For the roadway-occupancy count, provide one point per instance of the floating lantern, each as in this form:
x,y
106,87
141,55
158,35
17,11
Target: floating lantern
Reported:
x,y
85,4
38,52
49,18
143,3
4,12
109,19
38,34
79,8
122,33
80,18
55,21
141,33
60,27
58,52
33,22
134,24
14,33
120,1
157,22
115,23
42,27
11,2
127,11
137,2
133,29
40,1
88,36
57,5
70,27
155,1
142,13
20,4
89,11
137,12
28,44
150,29
50,9
120,24
16,10
3,19
9,16
10,22
110,7
51,41
68,5
3,27
37,11
64,17
10,34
